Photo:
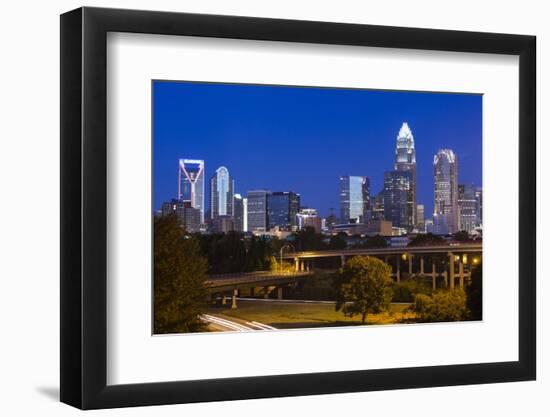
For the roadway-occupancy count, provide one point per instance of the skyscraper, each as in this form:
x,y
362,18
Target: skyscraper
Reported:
x,y
479,207
221,193
405,160
257,210
420,223
354,199
377,206
189,216
467,207
398,195
238,213
191,183
282,207
445,192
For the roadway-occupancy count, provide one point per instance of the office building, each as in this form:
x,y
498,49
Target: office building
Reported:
x,y
377,206
282,207
238,213
190,217
398,199
420,224
479,207
257,210
308,217
221,193
191,183
354,199
467,207
405,160
445,220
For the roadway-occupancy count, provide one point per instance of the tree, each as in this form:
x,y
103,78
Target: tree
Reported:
x,y
338,241
426,239
462,236
447,305
179,274
376,242
474,294
364,287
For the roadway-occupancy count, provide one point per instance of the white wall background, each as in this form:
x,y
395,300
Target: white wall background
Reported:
x,y
29,210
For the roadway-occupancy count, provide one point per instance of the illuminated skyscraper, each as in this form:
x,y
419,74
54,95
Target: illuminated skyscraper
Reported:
x,y
354,199
398,206
282,208
257,210
479,207
191,183
467,207
238,213
445,192
221,193
405,160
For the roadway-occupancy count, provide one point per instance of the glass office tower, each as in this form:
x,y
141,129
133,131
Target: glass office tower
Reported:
x,y
354,199
467,207
257,210
282,208
405,160
445,192
398,199
221,193
191,183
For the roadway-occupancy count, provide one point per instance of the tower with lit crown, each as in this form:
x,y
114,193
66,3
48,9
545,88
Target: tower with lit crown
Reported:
x,y
405,160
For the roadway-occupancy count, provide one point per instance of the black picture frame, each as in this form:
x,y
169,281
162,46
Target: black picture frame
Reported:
x,y
84,207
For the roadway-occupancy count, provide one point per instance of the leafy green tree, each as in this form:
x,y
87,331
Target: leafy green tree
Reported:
x,y
474,299
376,242
426,239
365,286
179,274
445,305
462,236
307,239
338,241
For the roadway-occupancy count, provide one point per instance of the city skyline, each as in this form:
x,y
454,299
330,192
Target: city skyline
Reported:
x,y
320,192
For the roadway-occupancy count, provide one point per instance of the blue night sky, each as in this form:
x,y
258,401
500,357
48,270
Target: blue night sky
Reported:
x,y
302,139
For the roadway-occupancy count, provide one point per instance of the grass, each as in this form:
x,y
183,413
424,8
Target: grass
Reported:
x,y
287,315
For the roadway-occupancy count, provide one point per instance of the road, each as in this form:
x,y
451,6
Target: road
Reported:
x,y
226,324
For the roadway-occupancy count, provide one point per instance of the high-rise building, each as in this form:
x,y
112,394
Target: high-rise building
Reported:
x,y
377,206
479,207
191,183
467,207
420,223
257,210
282,207
308,217
398,199
354,199
445,192
238,213
189,216
221,193
245,214
405,160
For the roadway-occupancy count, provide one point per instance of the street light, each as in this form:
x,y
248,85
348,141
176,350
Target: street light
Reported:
x,y
288,245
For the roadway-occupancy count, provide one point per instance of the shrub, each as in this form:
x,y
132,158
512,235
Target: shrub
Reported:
x,y
406,290
447,305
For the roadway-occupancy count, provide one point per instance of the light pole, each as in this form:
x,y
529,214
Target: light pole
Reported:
x,y
288,245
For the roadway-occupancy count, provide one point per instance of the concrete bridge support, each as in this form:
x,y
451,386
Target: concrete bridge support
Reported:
x,y
451,270
279,293
234,298
398,269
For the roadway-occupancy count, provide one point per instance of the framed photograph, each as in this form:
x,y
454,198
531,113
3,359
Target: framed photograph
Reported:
x,y
259,208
